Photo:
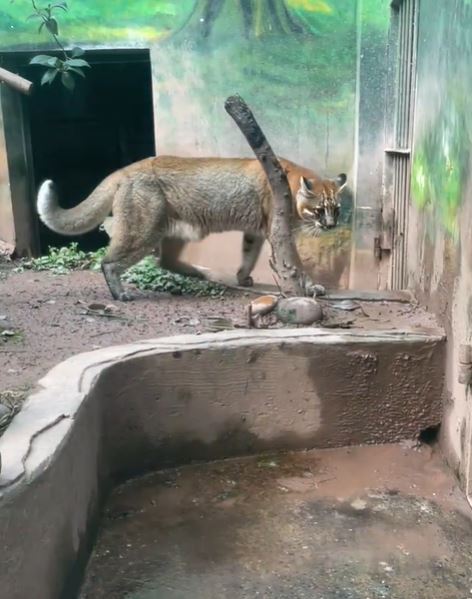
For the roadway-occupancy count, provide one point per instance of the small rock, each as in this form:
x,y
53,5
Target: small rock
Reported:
x,y
359,504
299,310
109,308
263,304
348,305
314,289
96,307
409,444
7,333
3,316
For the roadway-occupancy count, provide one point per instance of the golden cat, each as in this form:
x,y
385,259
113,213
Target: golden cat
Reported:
x,y
161,203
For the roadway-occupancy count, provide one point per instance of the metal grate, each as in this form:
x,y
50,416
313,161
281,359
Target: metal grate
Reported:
x,y
405,15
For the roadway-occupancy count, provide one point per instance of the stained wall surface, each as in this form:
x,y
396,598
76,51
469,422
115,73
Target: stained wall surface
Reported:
x,y
440,235
110,414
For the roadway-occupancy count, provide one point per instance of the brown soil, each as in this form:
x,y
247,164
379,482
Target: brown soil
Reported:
x,y
48,316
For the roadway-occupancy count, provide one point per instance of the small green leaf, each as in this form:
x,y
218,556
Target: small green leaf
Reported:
x,y
49,76
77,62
35,15
75,70
76,52
52,26
62,5
46,61
68,81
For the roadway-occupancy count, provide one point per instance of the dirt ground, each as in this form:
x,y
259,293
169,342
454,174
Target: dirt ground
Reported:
x,y
51,321
45,318
379,522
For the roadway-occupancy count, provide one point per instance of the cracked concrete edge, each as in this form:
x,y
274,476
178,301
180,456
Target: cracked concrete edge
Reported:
x,y
37,432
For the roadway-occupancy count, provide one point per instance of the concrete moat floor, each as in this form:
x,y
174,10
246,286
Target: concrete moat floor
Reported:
x,y
359,523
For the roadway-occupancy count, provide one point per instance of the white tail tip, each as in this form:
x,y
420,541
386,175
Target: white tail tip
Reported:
x,y
45,194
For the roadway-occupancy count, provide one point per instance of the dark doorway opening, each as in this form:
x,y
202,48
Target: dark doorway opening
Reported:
x,y
79,138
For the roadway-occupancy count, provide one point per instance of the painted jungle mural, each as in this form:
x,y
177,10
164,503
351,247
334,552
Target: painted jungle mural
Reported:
x,y
442,150
294,61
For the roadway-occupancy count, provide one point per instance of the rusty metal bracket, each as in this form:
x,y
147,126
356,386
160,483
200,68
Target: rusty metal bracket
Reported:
x,y
380,252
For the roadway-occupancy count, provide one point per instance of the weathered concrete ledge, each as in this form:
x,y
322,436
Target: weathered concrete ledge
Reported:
x,y
105,415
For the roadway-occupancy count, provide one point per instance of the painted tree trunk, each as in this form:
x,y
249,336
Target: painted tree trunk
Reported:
x,y
254,18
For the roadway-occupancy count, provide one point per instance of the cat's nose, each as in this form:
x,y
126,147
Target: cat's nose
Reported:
x,y
330,222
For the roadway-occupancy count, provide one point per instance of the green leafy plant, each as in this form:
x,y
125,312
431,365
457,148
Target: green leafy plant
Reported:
x,y
62,260
146,275
70,64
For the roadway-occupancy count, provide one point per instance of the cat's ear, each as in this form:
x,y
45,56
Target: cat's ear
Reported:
x,y
305,186
341,181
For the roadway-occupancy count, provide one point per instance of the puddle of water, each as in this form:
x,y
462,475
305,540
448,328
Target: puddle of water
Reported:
x,y
347,524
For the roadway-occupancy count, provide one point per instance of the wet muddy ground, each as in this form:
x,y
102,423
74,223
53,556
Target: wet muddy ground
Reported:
x,y
360,523
48,317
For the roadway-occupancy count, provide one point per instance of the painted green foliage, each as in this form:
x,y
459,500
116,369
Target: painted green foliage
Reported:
x,y
295,60
441,165
442,151
151,20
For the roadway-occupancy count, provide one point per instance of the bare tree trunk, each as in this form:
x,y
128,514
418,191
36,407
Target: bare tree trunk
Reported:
x,y
285,260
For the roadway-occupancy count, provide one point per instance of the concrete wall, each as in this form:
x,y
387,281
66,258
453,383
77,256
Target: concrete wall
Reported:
x,y
100,417
440,235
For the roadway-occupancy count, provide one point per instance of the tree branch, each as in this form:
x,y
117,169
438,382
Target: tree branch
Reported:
x,y
16,82
284,260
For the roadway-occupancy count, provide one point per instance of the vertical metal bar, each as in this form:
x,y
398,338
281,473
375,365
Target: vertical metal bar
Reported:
x,y
401,78
401,67
404,199
398,76
395,221
407,219
406,16
407,71
406,89
395,217
409,51
399,221
414,24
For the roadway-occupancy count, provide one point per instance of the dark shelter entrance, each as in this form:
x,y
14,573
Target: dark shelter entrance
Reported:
x,y
79,138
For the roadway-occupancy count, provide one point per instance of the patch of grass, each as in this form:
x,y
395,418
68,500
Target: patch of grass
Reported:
x,y
61,261
145,275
